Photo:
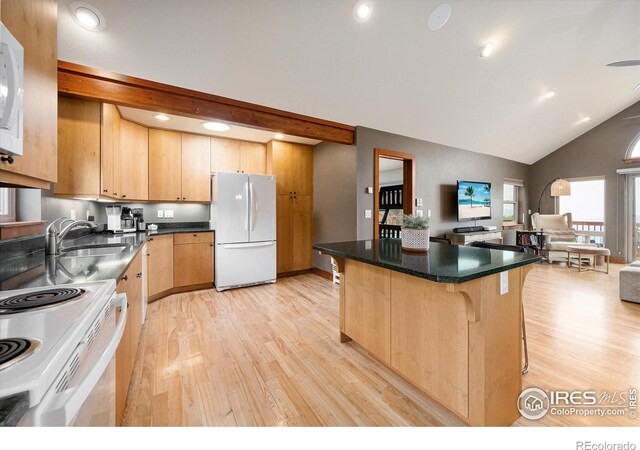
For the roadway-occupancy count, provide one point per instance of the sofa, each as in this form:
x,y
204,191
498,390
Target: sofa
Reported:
x,y
558,234
630,283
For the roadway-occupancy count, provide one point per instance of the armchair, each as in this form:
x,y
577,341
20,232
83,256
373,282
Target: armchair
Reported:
x,y
558,234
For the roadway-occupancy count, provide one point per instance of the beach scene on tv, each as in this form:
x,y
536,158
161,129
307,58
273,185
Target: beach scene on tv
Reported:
x,y
474,200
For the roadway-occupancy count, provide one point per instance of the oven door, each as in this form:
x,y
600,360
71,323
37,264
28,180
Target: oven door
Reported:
x,y
84,393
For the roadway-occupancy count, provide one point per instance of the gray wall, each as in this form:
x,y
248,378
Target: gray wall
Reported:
x,y
334,196
598,152
438,167
34,204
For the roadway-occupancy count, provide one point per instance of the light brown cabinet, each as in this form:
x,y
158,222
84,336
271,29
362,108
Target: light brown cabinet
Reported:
x,y
196,178
133,161
193,259
78,147
160,264
110,146
131,285
230,155
292,165
34,24
165,165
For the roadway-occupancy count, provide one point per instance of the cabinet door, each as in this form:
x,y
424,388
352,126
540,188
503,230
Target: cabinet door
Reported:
x,y
253,157
165,165
160,264
281,166
284,242
134,161
302,232
196,177
110,136
123,362
134,296
302,169
78,147
225,155
193,264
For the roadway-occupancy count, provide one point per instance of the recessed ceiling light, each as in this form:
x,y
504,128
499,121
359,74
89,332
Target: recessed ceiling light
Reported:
x,y
439,16
585,119
551,93
216,126
362,11
278,136
87,16
162,117
487,49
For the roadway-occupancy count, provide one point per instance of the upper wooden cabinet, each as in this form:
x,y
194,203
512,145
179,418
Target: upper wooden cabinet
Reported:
x,y
79,147
196,177
292,165
230,155
110,145
133,161
165,165
34,24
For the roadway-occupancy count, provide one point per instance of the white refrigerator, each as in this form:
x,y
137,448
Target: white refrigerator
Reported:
x,y
243,214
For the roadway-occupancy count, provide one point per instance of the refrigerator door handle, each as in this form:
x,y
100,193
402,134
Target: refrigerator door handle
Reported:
x,y
249,245
254,207
246,216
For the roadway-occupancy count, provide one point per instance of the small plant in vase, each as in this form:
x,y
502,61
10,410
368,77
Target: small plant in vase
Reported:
x,y
415,233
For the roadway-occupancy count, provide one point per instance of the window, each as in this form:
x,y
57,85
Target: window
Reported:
x,y
634,149
586,205
511,191
7,205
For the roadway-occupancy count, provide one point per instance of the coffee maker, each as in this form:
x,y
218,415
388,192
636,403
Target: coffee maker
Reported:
x,y
138,219
119,219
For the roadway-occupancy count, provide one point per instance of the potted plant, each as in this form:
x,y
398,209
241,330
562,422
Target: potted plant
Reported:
x,y
415,233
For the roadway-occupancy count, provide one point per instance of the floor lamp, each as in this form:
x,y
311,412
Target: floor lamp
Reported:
x,y
559,188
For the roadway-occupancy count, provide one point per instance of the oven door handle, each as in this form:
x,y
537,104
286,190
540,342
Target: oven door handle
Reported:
x,y
77,399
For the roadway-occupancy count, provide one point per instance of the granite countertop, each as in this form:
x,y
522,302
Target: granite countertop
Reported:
x,y
443,263
35,269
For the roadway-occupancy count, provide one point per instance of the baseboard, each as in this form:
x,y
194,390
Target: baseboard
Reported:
x,y
617,260
293,273
323,273
179,290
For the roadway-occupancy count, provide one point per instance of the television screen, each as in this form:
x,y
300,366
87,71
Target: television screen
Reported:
x,y
474,200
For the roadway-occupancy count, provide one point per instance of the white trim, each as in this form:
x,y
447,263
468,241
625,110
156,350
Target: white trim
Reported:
x,y
629,171
635,142
11,214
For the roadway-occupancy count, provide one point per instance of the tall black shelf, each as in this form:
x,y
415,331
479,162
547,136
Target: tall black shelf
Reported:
x,y
533,241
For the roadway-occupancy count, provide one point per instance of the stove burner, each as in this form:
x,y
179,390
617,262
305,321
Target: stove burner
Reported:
x,y
39,299
13,350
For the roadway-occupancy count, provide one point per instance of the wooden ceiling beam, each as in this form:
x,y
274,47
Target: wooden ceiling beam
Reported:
x,y
89,83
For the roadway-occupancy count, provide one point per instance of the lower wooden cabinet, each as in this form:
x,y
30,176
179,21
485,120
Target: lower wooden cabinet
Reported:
x,y
193,264
160,264
131,284
294,222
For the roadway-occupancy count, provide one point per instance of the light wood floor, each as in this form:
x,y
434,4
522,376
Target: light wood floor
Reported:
x,y
269,355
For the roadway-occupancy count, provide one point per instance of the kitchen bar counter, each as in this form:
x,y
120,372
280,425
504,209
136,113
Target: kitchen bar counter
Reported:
x,y
443,263
35,269
449,321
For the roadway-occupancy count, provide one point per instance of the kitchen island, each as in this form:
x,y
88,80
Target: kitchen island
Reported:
x,y
449,321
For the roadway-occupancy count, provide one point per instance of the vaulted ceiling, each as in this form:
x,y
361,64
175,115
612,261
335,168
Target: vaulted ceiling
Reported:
x,y
391,72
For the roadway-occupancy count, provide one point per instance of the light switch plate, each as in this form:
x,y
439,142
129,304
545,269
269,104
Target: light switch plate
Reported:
x,y
168,213
367,214
504,282
72,214
419,202
160,214
369,190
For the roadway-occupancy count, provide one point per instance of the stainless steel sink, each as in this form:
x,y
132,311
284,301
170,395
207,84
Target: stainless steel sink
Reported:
x,y
111,250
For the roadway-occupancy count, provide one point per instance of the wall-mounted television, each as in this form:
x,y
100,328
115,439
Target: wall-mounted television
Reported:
x,y
474,200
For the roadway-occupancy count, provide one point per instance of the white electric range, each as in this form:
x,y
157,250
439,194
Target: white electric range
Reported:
x,y
58,344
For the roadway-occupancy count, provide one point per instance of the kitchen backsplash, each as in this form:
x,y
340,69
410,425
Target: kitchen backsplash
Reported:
x,y
42,205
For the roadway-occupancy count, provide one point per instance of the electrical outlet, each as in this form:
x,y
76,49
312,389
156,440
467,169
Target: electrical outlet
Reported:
x,y
367,214
369,190
429,213
160,214
72,215
504,282
367,245
88,214
419,213
168,213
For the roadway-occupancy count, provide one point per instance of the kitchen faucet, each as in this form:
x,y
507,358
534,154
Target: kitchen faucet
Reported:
x,y
53,239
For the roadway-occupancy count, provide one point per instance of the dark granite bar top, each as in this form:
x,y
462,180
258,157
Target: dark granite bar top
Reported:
x,y
34,269
443,263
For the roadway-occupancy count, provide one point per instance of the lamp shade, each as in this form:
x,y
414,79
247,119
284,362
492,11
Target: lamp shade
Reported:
x,y
560,188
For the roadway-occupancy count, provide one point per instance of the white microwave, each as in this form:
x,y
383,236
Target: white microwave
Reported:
x,y
11,93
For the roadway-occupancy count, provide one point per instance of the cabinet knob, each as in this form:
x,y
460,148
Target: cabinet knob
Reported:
x,y
184,198
104,190
195,235
115,193
210,245
125,278
139,275
177,198
7,159
148,254
123,195
151,239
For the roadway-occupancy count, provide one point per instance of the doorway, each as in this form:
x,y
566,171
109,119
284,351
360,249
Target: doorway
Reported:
x,y
393,187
